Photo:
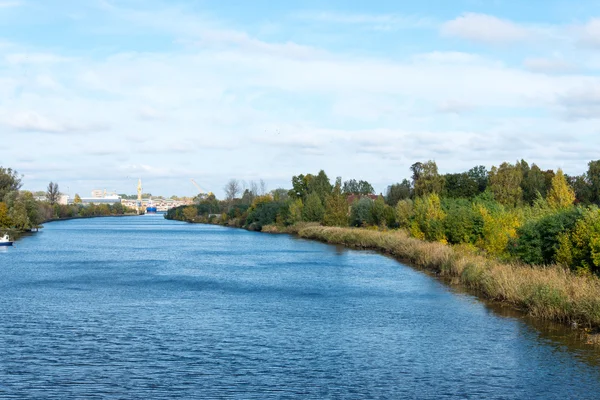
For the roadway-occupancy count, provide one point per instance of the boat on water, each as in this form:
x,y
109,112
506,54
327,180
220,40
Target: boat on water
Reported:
x,y
150,207
5,241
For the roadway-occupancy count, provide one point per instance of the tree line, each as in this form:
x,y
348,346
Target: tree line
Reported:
x,y
512,211
21,211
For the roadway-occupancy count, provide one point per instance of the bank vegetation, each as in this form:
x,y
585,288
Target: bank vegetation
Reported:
x,y
22,211
516,233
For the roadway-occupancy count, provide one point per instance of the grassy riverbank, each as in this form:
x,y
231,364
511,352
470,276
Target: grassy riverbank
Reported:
x,y
552,293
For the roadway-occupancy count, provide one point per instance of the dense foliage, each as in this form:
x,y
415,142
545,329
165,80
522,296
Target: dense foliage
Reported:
x,y
20,211
513,211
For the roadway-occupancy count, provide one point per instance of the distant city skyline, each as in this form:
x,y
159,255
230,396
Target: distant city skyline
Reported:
x,y
96,94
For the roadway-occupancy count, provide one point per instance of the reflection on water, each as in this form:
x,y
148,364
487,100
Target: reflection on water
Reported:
x,y
143,307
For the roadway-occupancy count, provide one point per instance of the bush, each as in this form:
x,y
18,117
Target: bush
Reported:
x,y
538,241
360,213
463,224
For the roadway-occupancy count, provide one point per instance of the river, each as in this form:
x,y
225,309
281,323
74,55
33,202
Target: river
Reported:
x,y
142,307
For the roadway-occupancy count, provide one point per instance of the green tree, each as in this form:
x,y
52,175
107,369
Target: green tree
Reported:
x,y
296,208
18,216
505,184
378,216
426,179
561,195
428,219
280,194
4,218
336,207
460,186
397,192
404,213
352,186
52,193
300,186
581,187
479,174
360,212
320,185
190,213
593,178
534,184
313,210
10,181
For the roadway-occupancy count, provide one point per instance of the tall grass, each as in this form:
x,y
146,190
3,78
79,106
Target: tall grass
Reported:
x,y
552,293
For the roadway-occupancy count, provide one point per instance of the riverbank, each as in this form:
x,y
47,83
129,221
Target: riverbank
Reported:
x,y
551,293
90,216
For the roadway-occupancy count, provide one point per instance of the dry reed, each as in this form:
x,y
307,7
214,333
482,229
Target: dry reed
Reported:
x,y
552,293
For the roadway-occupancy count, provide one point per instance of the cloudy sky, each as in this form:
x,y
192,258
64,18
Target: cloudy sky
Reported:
x,y
94,94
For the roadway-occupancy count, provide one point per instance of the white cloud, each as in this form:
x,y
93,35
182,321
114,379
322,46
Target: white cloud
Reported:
x,y
232,105
150,113
10,4
581,103
548,65
35,58
374,21
31,121
453,106
485,28
589,33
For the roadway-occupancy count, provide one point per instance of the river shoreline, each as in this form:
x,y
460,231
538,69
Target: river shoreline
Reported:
x,y
88,217
545,293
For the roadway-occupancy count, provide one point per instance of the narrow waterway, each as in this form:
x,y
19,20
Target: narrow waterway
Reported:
x,y
142,307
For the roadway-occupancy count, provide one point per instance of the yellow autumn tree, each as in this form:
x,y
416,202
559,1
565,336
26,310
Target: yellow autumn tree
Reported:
x,y
4,218
560,195
497,231
190,213
428,218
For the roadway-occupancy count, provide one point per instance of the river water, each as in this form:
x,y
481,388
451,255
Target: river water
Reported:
x,y
142,307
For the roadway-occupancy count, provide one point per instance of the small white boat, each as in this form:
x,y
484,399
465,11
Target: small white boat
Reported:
x,y
5,241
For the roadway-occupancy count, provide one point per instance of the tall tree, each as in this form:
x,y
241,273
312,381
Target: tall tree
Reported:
x,y
320,185
352,186
460,186
581,187
313,210
397,192
280,194
505,184
300,186
593,178
533,184
52,193
426,179
378,216
232,189
365,188
4,219
336,207
10,181
560,195
479,174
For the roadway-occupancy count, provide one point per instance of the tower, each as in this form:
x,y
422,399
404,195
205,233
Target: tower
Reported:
x,y
139,199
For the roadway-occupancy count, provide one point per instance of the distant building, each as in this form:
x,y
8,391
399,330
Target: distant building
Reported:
x,y
102,200
64,199
101,197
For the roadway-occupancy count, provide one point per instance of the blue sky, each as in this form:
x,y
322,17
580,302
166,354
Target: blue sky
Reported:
x,y
96,94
